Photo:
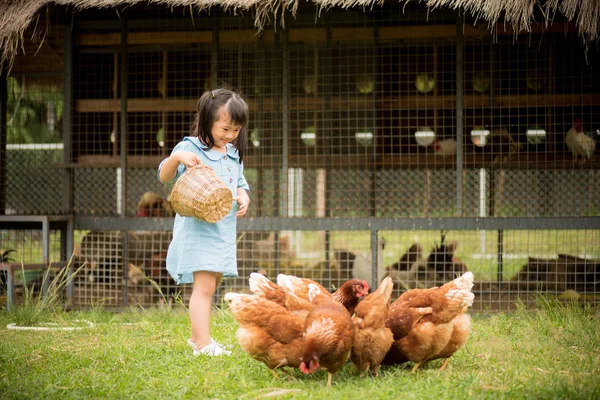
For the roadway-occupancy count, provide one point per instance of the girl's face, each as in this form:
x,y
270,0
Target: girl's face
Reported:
x,y
224,131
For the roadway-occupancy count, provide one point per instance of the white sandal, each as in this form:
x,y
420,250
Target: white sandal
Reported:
x,y
212,349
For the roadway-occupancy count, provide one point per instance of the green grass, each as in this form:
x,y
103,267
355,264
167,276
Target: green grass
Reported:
x,y
551,352
40,305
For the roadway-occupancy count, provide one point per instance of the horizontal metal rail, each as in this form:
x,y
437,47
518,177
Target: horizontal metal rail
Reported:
x,y
355,224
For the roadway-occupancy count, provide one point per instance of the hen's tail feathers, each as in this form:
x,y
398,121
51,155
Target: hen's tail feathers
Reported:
x,y
385,288
313,291
287,281
468,300
231,296
461,297
464,282
297,305
259,283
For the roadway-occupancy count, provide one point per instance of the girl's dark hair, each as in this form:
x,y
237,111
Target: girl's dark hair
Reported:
x,y
209,105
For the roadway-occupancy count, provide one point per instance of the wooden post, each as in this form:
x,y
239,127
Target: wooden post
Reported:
x,y
459,115
115,132
124,149
163,115
550,132
67,123
427,192
3,136
435,88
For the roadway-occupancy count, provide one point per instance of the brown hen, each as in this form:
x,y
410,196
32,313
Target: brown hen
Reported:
x,y
267,331
348,294
430,323
328,334
372,339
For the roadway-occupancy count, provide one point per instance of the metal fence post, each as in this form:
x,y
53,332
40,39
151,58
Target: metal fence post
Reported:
x,y
124,149
459,115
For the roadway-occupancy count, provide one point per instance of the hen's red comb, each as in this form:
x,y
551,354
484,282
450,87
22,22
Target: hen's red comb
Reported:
x,y
304,369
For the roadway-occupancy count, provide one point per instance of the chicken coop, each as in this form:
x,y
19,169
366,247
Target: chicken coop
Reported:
x,y
387,139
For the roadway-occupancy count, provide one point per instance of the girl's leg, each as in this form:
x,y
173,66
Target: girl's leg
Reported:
x,y
205,284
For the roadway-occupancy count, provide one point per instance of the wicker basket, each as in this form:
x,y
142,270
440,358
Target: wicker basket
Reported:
x,y
199,193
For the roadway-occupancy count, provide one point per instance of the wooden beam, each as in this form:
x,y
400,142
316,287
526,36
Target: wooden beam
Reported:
x,y
387,33
106,161
352,35
314,35
145,38
238,36
174,38
312,103
307,35
525,161
137,105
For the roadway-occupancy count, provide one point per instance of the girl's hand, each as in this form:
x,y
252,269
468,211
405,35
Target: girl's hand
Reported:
x,y
187,158
243,201
170,165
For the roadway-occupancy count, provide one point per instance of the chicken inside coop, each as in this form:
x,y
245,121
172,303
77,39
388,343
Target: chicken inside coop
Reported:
x,y
359,265
154,205
414,271
444,148
399,270
581,145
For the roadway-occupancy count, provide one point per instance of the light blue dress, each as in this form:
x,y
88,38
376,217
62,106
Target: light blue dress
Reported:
x,y
199,245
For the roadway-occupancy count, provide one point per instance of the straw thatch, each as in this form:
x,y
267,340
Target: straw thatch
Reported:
x,y
17,15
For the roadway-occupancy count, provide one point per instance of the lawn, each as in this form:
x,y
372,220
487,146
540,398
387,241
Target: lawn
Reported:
x,y
550,352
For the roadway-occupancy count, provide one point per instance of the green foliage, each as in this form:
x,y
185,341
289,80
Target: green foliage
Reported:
x,y
550,352
40,305
34,112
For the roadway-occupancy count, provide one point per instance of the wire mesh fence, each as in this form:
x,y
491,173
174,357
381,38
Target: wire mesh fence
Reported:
x,y
386,115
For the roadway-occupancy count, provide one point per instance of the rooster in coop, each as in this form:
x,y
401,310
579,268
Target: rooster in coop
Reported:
x,y
268,332
328,334
503,146
580,144
347,295
263,253
439,266
372,339
345,263
362,264
155,268
429,324
399,270
153,205
444,148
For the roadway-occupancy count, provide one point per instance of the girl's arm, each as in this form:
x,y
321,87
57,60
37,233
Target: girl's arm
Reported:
x,y
243,201
169,166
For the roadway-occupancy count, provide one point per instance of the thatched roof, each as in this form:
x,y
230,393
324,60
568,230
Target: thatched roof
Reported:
x,y
17,15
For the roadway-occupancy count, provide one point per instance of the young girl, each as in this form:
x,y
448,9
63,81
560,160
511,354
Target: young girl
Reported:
x,y
200,252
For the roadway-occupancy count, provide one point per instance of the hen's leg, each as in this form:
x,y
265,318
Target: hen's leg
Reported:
x,y
376,370
288,374
445,364
274,373
364,369
329,376
416,367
